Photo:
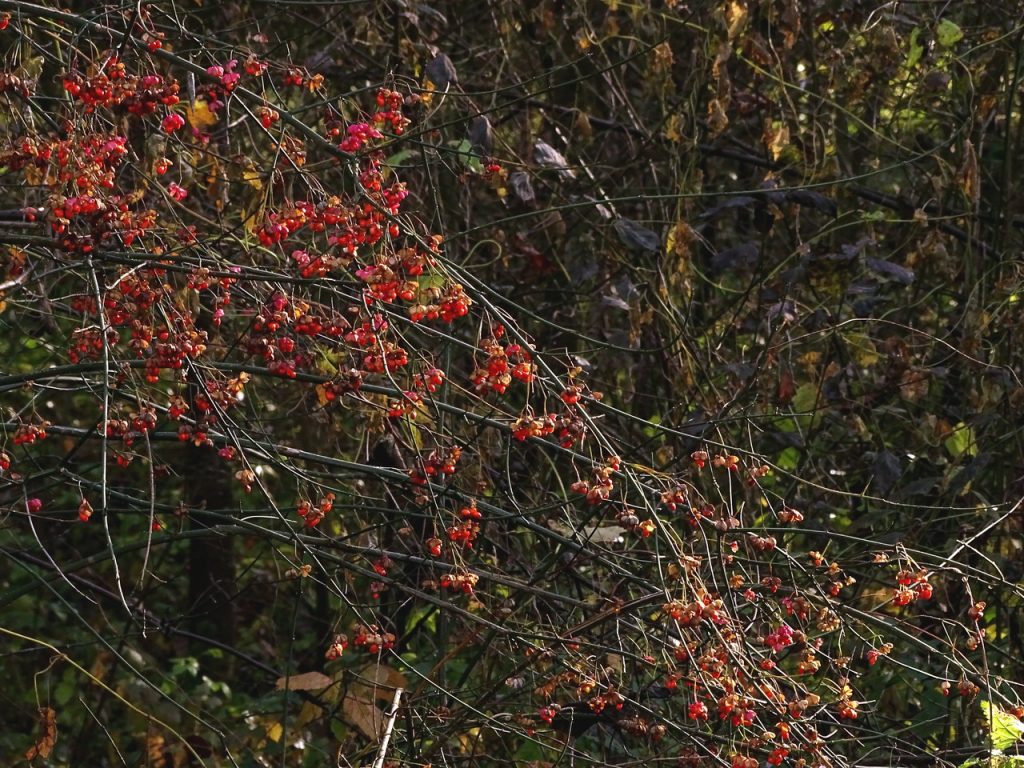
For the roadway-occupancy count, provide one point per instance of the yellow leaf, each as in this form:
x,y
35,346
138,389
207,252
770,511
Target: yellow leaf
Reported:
x,y
427,94
674,128
155,751
252,177
643,468
776,137
200,116
680,238
254,213
309,713
32,67
735,17
321,395
275,731
583,126
864,351
469,741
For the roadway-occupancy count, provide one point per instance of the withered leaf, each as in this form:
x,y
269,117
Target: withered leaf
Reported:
x,y
887,469
521,185
307,681
611,300
547,156
441,71
816,200
480,135
359,706
47,739
738,257
636,237
891,270
737,201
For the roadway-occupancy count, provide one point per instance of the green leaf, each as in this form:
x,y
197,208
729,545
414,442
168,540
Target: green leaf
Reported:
x,y
426,613
399,158
806,398
186,666
948,33
338,729
786,425
64,692
805,405
1006,729
789,459
961,442
530,751
863,349
995,760
916,48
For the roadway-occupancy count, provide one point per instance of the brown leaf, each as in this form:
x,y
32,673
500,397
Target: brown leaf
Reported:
x,y
360,711
786,389
718,121
44,746
582,124
720,73
913,384
735,17
970,177
383,680
307,681
790,23
378,682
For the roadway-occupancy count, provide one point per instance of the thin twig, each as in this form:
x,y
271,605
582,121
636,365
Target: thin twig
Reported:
x,y
388,728
968,542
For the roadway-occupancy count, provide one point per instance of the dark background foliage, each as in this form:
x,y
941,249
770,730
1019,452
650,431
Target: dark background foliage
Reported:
x,y
777,235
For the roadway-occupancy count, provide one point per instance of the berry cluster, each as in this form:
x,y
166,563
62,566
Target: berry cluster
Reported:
x,y
116,88
372,640
312,515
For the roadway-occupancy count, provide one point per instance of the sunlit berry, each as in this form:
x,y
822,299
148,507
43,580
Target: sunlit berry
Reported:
x,y
173,122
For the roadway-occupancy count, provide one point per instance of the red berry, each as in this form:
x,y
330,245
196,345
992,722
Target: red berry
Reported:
x,y
172,123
